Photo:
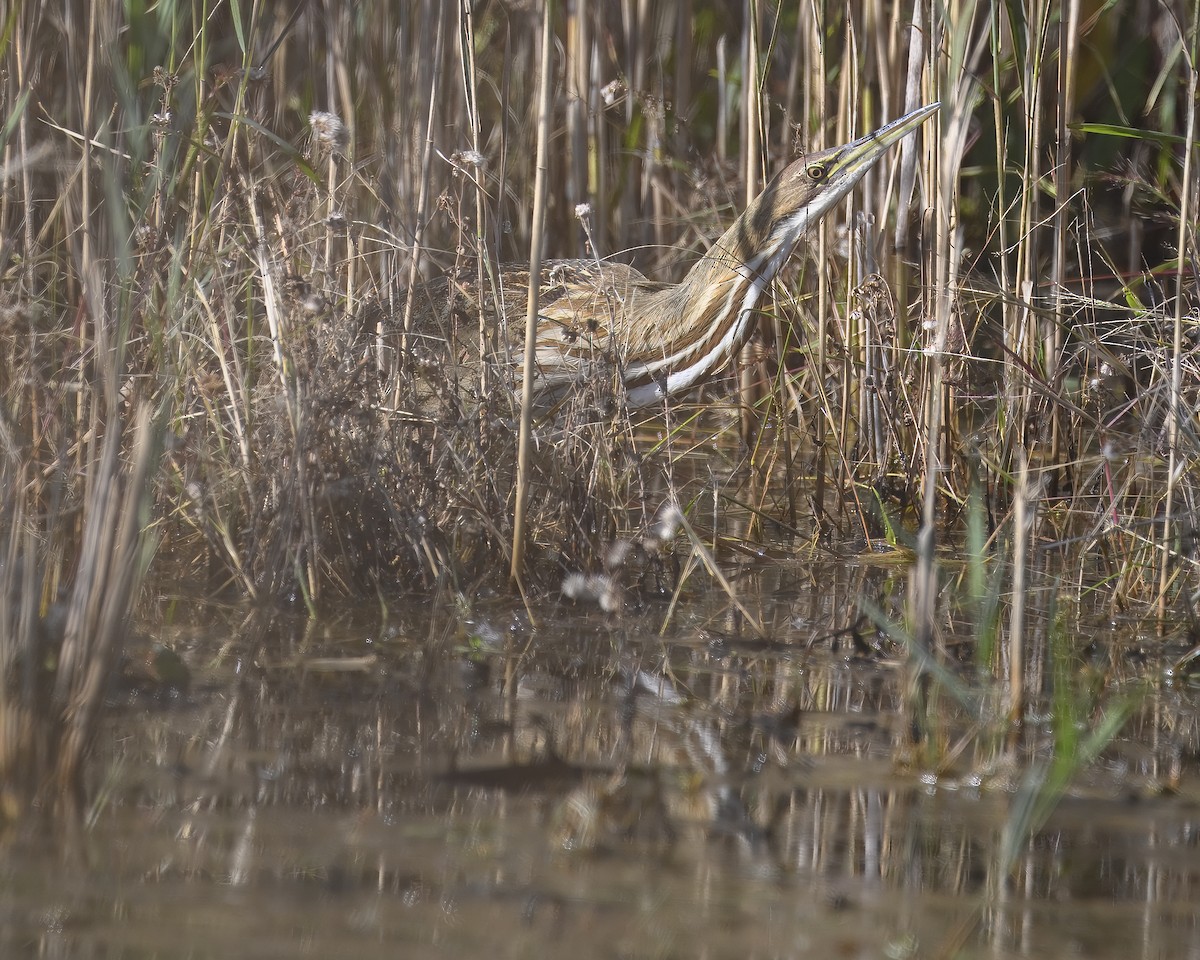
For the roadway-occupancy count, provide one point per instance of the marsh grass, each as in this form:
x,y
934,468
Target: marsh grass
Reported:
x,y
232,216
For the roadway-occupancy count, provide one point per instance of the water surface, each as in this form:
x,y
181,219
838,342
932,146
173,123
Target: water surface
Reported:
x,y
433,779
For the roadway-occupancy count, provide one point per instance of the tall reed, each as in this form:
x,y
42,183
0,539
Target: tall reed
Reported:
x,y
288,182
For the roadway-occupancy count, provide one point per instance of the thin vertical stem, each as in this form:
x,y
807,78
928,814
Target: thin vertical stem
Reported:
x,y
722,102
1184,244
423,194
1052,341
814,127
1007,303
750,367
466,39
751,116
576,76
912,100
1025,342
1016,612
531,312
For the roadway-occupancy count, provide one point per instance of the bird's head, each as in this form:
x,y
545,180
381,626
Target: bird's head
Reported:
x,y
806,190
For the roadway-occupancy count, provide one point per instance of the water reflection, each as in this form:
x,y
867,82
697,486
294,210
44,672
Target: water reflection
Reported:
x,y
461,783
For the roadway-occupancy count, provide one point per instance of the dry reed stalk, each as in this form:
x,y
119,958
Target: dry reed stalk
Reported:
x,y
26,749
575,74
1022,530
944,157
924,587
1185,245
112,562
1008,302
815,112
422,211
536,245
1065,106
748,362
470,86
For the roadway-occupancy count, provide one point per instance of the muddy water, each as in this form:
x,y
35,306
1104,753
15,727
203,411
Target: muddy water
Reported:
x,y
428,780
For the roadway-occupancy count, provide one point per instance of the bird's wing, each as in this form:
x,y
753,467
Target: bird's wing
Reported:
x,y
582,311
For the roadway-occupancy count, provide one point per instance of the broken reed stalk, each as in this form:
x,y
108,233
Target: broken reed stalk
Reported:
x,y
531,314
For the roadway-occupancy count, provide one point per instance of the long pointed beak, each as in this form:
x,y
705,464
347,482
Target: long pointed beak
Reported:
x,y
815,183
855,158
806,190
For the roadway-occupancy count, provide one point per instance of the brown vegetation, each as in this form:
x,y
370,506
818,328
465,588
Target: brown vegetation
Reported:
x,y
219,230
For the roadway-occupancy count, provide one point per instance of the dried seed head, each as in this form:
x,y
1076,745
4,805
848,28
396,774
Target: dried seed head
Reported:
x,y
610,599
313,304
596,588
328,129
164,79
468,158
612,91
617,553
666,525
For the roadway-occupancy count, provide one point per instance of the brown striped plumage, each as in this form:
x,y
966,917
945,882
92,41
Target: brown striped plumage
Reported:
x,y
659,339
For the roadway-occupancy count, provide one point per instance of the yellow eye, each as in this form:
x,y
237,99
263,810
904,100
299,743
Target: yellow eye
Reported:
x,y
815,172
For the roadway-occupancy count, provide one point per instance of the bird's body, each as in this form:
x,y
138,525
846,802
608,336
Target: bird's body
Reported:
x,y
658,339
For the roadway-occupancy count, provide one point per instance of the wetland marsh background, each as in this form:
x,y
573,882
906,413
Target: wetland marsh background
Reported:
x,y
884,649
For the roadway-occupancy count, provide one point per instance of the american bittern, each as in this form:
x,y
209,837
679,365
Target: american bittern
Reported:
x,y
660,339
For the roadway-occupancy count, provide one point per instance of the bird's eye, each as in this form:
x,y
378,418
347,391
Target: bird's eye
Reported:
x,y
816,172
